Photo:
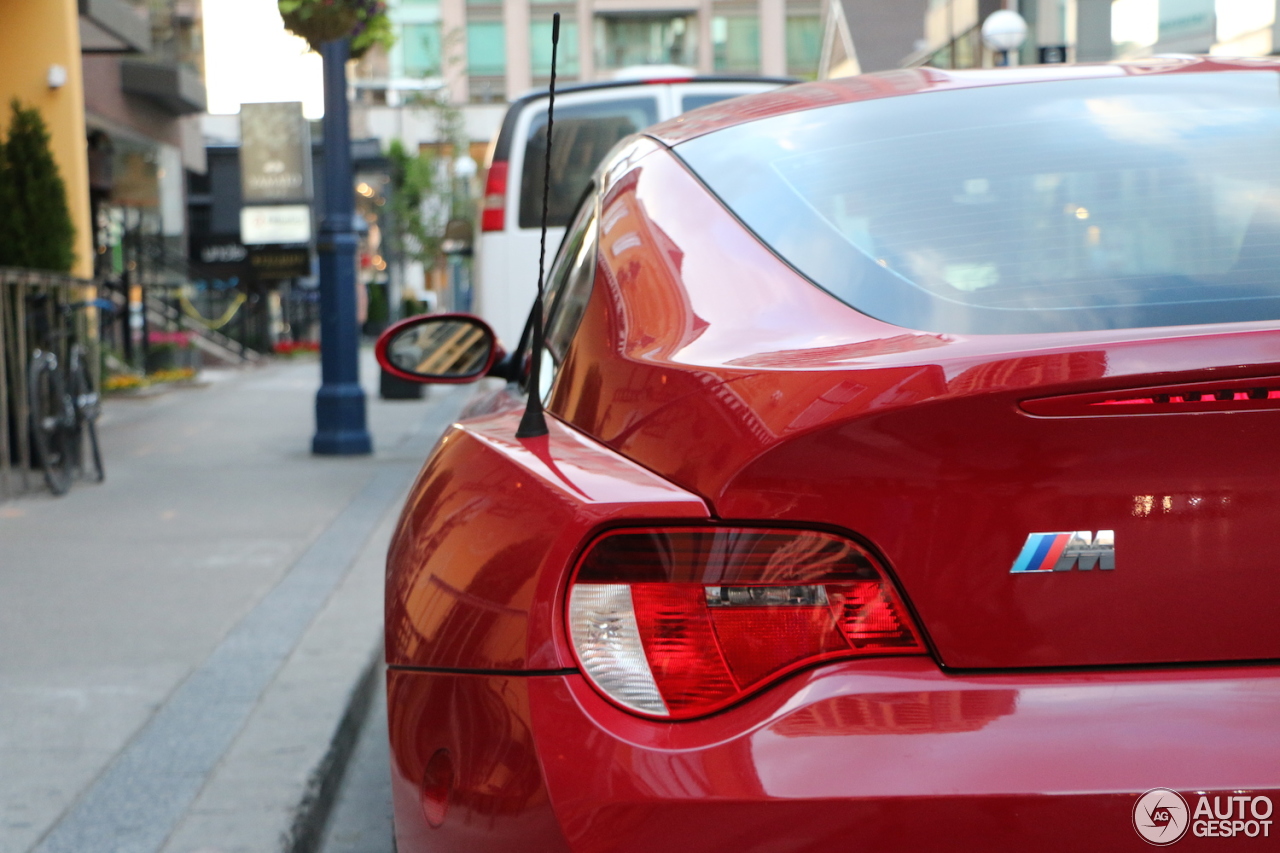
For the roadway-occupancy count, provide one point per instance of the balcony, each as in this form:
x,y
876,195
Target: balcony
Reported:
x,y
113,26
174,88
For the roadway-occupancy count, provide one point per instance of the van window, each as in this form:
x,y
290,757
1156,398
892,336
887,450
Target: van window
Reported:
x,y
584,134
704,99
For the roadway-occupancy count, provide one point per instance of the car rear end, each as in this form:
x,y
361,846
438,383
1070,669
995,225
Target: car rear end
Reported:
x,y
991,572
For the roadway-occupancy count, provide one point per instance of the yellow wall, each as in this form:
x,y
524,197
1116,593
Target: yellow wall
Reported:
x,y
35,34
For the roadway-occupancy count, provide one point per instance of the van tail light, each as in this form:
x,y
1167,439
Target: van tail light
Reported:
x,y
678,623
493,214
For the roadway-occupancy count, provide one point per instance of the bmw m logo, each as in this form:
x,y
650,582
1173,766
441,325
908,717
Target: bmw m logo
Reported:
x,y
1061,552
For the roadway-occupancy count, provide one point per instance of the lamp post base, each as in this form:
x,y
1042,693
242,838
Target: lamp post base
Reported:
x,y
340,407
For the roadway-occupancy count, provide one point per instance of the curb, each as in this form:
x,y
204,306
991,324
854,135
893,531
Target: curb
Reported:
x,y
313,810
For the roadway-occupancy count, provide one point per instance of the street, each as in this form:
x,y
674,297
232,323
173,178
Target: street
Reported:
x,y
183,641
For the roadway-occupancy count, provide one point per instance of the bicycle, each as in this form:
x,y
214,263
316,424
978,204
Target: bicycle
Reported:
x,y
64,409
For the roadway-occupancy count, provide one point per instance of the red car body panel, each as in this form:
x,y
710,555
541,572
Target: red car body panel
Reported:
x,y
909,81
709,382
476,570
816,414
885,755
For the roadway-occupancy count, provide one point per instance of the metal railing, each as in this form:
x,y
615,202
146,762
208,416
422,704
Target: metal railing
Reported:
x,y
31,315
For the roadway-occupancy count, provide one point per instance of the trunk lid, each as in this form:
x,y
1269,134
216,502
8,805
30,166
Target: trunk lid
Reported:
x,y
975,498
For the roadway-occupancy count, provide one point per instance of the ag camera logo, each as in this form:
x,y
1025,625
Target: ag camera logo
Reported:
x,y
1160,816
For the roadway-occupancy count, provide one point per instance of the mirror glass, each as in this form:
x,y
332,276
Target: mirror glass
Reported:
x,y
441,348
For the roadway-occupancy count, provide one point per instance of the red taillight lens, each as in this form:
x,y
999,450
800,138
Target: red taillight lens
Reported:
x,y
678,623
493,213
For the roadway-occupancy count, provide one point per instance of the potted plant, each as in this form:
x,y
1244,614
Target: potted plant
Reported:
x,y
319,21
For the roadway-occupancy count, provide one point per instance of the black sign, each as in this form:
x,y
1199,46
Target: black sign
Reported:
x,y
272,263
1053,54
217,249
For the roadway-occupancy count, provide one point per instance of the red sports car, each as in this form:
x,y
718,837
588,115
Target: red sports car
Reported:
x,y
910,484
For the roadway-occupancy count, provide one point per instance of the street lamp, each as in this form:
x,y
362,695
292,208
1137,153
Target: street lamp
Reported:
x,y
340,411
1004,31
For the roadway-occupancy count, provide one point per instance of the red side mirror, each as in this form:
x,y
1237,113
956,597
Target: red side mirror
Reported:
x,y
439,348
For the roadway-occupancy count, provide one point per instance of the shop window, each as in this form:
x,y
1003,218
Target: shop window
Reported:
x,y
540,49
486,49
421,45
736,43
804,45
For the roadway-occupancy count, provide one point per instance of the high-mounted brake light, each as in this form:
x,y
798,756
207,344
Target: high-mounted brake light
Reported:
x,y
493,214
681,622
1231,395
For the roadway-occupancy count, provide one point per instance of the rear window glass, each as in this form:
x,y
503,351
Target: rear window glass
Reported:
x,y
584,135
1075,205
704,99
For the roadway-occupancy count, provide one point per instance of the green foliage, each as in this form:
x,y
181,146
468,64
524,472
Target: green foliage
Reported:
x,y
319,21
413,181
35,221
9,222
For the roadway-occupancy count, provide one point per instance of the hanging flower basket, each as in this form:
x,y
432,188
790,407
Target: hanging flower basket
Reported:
x,y
320,21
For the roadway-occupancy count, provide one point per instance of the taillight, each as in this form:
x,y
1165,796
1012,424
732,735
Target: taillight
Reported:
x,y
493,213
678,623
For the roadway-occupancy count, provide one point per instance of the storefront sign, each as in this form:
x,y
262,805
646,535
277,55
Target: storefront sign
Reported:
x,y
278,223
272,263
275,153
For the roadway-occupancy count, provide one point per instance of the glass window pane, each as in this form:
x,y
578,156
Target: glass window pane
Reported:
x,y
804,45
736,42
624,41
421,46
584,135
540,48
486,49
1088,204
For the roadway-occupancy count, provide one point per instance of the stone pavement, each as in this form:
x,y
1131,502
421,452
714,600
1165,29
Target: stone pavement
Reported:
x,y
187,649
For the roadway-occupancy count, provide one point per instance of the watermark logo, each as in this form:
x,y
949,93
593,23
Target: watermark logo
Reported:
x,y
1160,816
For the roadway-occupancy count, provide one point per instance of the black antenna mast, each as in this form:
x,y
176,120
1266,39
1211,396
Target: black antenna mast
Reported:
x,y
534,422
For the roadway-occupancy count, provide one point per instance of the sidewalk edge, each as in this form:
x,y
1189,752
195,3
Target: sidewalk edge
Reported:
x,y
313,810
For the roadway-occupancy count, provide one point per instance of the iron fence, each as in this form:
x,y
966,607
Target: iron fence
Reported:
x,y
32,316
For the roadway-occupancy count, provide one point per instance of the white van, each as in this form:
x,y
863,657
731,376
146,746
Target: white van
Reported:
x,y
589,120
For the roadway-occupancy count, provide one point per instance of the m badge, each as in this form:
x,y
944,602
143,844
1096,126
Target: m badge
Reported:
x,y
1061,552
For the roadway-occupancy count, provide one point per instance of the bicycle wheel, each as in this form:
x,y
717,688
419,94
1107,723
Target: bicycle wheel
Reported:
x,y
53,421
88,406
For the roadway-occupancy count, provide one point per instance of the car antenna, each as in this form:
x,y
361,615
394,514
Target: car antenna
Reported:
x,y
534,421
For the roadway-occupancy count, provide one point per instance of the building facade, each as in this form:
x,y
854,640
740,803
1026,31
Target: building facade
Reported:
x,y
491,51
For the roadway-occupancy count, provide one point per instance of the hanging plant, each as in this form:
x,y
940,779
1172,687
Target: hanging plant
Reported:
x,y
319,21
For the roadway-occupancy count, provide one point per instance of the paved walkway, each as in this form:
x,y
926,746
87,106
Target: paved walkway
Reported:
x,y
179,645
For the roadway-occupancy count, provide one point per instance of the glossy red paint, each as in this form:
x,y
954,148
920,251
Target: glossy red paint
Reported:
x,y
817,414
909,81
891,752
709,383
479,561
384,340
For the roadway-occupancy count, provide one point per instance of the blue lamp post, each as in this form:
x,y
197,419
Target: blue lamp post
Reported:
x,y
340,410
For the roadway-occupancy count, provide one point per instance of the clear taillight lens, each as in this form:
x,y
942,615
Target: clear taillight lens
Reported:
x,y
678,623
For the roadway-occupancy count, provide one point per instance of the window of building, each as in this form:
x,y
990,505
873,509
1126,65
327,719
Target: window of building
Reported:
x,y
630,40
421,46
540,49
735,43
486,49
804,45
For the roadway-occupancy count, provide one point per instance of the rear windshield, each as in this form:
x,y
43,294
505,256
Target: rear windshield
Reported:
x,y
1085,204
584,134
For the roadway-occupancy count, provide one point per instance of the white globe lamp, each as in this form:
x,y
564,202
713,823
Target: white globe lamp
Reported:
x,y
1004,31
